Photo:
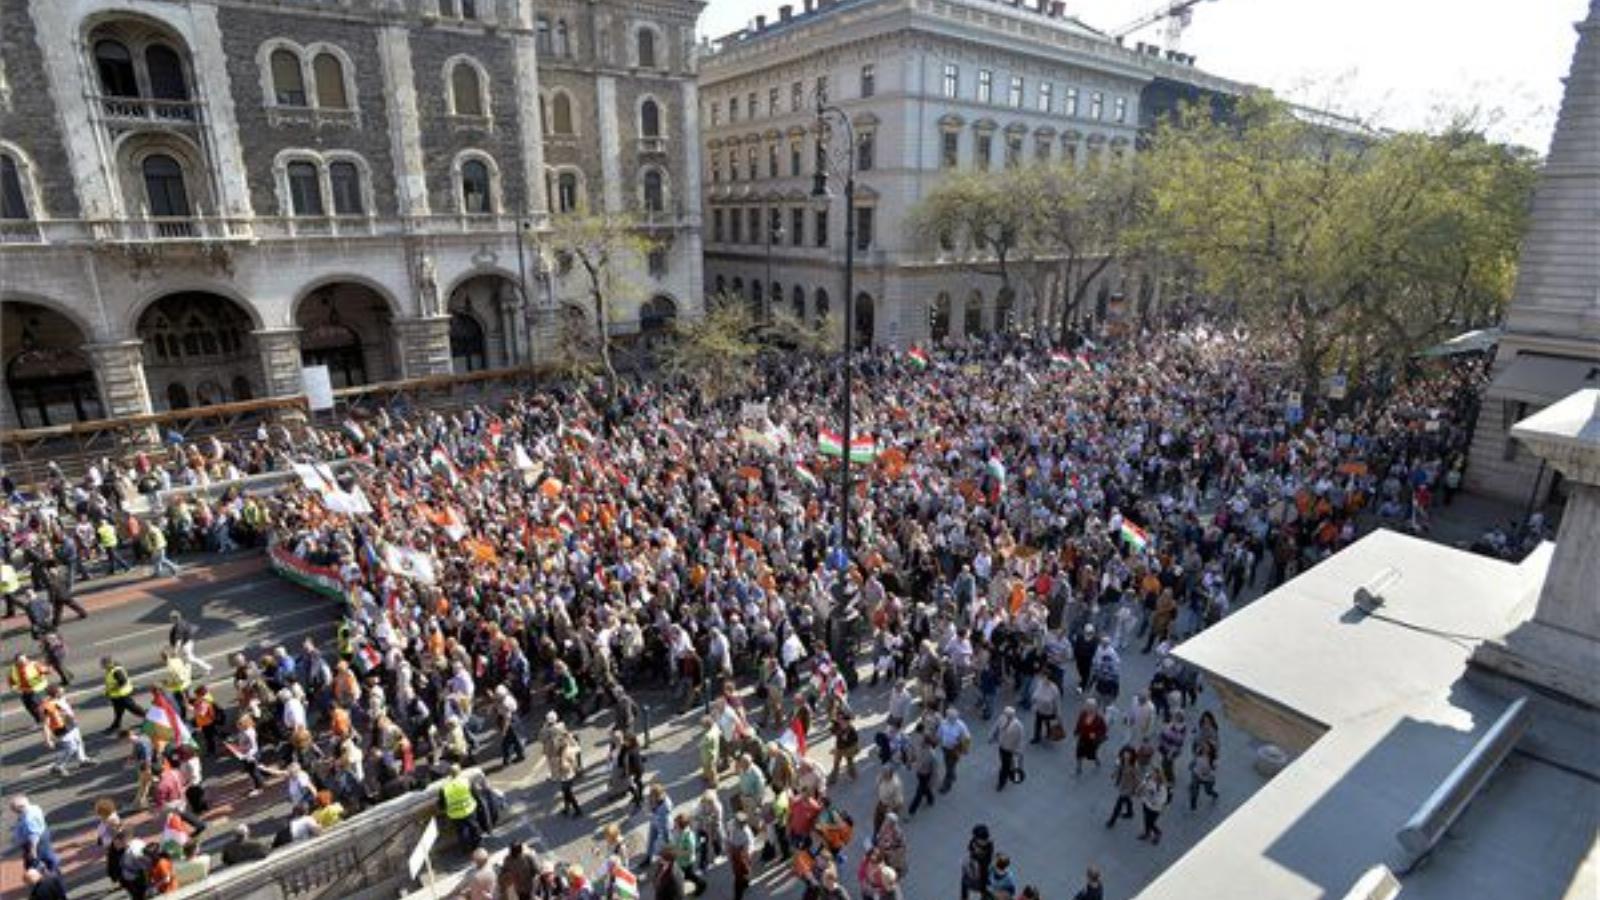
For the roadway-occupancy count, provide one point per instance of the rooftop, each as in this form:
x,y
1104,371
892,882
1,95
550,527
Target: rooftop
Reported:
x,y
1390,690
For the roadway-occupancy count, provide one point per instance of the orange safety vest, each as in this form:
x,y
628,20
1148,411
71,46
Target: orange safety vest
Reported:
x,y
205,713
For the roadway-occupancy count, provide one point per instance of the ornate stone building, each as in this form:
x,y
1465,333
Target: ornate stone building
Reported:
x,y
1551,345
931,86
199,196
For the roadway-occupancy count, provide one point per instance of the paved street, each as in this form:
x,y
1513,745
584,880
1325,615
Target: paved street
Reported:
x,y
236,604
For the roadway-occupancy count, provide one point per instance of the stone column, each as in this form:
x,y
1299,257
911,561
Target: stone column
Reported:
x,y
405,129
280,360
1557,650
424,345
119,371
605,98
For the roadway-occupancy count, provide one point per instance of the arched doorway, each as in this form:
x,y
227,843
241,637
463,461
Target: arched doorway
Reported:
x,y
864,320
822,312
49,379
939,318
467,344
658,315
482,301
798,304
345,327
972,316
195,337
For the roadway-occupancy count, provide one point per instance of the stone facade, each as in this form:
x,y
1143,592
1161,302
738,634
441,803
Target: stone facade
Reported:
x,y
995,83
200,196
1551,345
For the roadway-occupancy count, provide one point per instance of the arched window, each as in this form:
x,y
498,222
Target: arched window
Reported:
x,y
115,66
972,316
798,305
329,72
288,82
738,287
647,48
563,39
567,192
822,306
649,119
654,193
722,284
657,315
541,35
305,189
164,189
757,294
344,182
241,388
939,318
467,344
561,120
177,396
13,200
464,90
475,196
167,81
864,320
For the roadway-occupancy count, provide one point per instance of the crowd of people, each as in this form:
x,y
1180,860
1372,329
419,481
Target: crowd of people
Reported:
x,y
1022,520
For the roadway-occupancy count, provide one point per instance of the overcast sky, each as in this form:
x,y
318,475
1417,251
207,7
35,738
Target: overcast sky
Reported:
x,y
1398,61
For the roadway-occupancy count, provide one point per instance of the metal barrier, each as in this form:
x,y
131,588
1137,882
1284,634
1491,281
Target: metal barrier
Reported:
x,y
1431,820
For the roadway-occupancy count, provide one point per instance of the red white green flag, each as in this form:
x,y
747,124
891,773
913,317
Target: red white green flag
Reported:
x,y
1060,358
624,884
863,448
918,357
806,475
1135,536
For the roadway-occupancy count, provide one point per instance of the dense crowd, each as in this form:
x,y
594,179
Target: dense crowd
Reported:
x,y
1022,520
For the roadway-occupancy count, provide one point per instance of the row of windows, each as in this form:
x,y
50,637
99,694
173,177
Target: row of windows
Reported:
x,y
1013,148
797,99
554,38
558,117
337,184
1044,95
866,159
742,225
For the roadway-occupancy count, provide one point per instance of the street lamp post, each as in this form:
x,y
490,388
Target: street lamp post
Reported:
x,y
819,191
775,234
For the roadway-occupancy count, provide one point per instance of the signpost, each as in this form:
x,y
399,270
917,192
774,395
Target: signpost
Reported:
x,y
421,855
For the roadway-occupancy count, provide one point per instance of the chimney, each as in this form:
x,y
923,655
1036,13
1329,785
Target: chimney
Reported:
x,y
1058,9
785,12
811,5
761,23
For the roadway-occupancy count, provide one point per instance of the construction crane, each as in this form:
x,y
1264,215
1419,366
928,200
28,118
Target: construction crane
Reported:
x,y
1176,13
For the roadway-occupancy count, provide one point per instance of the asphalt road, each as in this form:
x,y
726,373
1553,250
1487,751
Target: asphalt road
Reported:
x,y
236,604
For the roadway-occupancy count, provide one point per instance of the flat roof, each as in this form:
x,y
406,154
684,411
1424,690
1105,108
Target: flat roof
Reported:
x,y
1401,714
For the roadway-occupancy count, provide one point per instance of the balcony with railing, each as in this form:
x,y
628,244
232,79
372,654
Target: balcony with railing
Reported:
x,y
652,146
146,109
212,229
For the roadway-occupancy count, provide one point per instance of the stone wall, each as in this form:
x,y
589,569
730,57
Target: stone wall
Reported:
x,y
27,115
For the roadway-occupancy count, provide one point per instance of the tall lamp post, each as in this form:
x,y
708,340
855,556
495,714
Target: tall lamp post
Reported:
x,y
839,619
775,234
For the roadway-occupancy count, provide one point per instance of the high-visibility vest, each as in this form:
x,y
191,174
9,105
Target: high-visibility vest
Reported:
x,y
118,684
458,800
10,581
178,675
346,646
107,533
29,679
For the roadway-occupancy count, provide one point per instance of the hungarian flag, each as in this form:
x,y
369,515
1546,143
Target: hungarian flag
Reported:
x,y
1060,358
439,459
163,722
1083,363
830,443
175,832
918,357
996,468
496,432
1135,536
793,738
624,884
806,475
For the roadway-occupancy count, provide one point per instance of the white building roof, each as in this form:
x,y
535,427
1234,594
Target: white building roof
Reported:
x,y
1390,688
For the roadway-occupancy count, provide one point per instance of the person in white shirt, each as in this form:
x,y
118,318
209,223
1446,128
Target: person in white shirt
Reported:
x,y
954,739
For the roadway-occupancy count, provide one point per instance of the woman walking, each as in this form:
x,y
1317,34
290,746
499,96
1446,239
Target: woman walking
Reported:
x,y
1153,796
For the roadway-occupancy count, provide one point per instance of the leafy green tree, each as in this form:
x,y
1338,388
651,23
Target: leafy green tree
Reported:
x,y
1079,223
975,215
1356,243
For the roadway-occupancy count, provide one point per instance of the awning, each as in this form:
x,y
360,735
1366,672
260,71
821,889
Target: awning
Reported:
x,y
1544,379
1468,342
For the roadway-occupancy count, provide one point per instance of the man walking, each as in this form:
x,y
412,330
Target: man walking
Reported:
x,y
1008,733
954,741
922,763
181,637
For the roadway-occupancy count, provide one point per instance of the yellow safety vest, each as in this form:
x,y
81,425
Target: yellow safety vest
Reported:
x,y
29,680
178,675
10,581
107,534
112,688
458,800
